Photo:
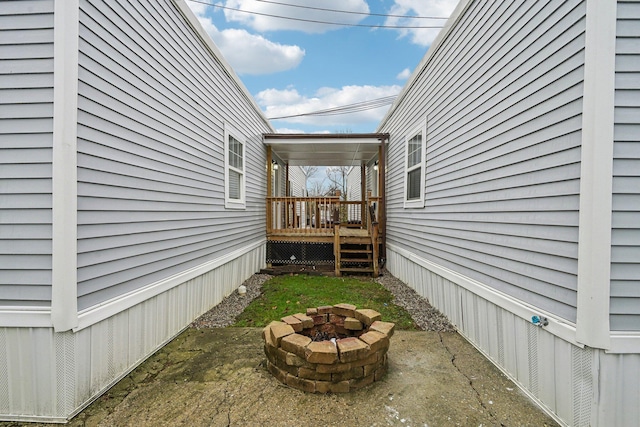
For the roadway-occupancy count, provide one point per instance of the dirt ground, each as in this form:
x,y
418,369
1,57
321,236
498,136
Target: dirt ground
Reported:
x,y
217,377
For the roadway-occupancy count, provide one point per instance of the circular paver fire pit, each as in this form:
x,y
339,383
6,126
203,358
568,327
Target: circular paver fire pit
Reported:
x,y
329,349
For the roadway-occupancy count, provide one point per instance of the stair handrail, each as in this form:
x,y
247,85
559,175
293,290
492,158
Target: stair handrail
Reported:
x,y
374,239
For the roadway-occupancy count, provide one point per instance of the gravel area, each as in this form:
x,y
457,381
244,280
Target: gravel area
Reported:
x,y
224,314
424,315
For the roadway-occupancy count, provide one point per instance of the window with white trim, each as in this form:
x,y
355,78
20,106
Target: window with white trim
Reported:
x,y
234,169
414,168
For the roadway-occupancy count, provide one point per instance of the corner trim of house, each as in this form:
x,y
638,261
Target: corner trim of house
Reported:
x,y
596,177
64,311
116,305
557,326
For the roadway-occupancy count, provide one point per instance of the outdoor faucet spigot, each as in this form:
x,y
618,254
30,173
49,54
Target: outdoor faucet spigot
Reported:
x,y
539,321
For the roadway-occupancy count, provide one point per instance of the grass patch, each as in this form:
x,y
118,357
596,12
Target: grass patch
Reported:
x,y
286,295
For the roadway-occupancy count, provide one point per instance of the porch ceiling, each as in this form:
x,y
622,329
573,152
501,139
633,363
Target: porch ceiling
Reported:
x,y
325,149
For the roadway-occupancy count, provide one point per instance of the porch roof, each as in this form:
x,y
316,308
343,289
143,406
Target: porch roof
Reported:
x,y
348,149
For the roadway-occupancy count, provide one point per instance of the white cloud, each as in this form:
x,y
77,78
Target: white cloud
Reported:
x,y
288,102
259,22
421,36
249,53
404,74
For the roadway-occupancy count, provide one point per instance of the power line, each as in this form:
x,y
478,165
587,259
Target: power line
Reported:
x,y
353,13
313,21
345,109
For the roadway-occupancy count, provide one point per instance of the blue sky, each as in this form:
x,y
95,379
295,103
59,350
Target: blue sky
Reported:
x,y
293,67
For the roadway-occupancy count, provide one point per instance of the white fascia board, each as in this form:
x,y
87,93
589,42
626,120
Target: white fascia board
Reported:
x,y
100,312
596,176
64,305
193,21
557,326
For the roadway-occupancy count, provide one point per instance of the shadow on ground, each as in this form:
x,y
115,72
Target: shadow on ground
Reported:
x,y
217,377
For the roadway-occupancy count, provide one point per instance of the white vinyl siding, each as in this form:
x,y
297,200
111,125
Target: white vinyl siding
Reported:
x,y
297,182
26,142
234,169
153,103
502,95
625,233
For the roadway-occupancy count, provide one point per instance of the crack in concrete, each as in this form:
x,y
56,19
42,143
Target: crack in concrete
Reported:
x,y
477,393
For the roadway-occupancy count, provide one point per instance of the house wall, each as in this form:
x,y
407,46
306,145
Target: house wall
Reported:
x,y
354,190
26,129
151,150
501,96
502,108
156,246
625,234
297,181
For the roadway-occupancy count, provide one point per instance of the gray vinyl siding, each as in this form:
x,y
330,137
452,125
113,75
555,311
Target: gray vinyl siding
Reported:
x,y
502,98
625,233
152,106
26,126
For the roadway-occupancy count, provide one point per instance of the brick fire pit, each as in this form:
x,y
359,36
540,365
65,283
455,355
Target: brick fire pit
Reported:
x,y
329,349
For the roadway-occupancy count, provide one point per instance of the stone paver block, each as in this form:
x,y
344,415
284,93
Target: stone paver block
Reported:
x,y
376,340
357,383
312,311
348,375
340,387
336,367
301,383
367,316
312,374
323,352
277,372
353,324
324,309
281,362
383,327
295,343
346,310
336,320
279,330
319,319
371,360
295,360
323,386
352,349
307,322
266,333
380,373
295,323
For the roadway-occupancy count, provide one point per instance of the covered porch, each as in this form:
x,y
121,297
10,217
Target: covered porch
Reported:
x,y
346,229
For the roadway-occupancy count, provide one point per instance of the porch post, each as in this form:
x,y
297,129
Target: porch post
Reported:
x,y
268,202
382,209
363,194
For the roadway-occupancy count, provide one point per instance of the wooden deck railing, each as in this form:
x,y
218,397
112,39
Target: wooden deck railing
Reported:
x,y
309,215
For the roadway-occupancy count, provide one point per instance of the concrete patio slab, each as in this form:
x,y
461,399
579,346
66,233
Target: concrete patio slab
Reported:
x,y
217,377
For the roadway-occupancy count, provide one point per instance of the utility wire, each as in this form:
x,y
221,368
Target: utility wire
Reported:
x,y
345,109
313,21
353,13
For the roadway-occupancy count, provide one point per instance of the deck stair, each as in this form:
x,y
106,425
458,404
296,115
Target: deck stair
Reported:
x,y
355,253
